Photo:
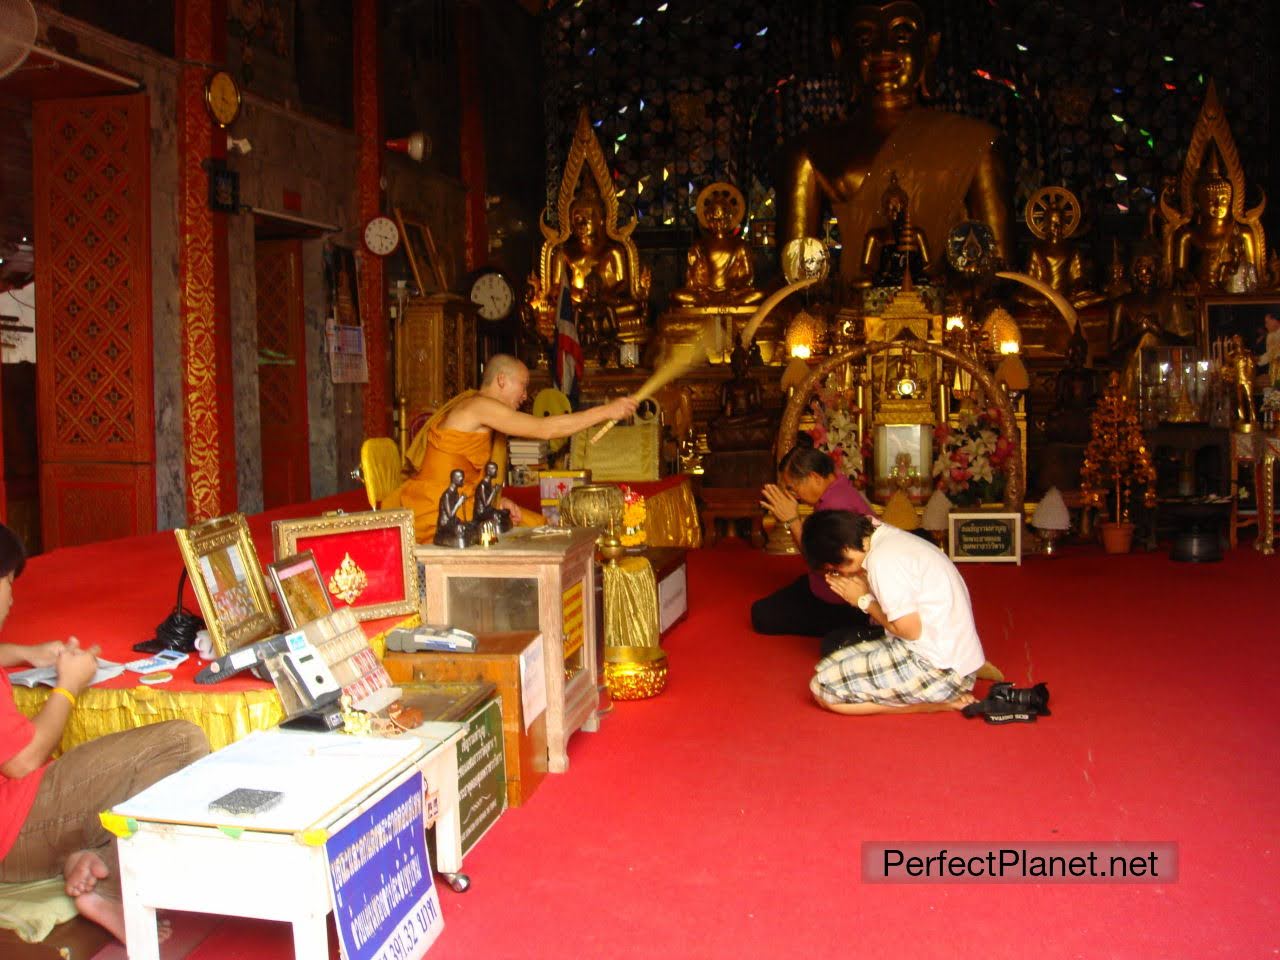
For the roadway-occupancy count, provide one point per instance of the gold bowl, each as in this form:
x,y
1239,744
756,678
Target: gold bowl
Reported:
x,y
635,673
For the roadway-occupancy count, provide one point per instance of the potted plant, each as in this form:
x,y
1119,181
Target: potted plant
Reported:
x,y
1116,460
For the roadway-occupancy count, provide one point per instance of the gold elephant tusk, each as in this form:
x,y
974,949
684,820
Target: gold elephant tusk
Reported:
x,y
757,318
1061,303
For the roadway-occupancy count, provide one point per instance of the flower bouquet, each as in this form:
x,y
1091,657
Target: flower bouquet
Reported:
x,y
835,432
633,517
971,457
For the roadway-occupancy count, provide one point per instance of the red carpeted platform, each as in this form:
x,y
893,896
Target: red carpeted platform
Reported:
x,y
114,593
724,818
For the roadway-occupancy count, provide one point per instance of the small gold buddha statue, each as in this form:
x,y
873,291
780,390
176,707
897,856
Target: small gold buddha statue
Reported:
x,y
590,253
1053,215
888,249
947,163
719,270
1145,317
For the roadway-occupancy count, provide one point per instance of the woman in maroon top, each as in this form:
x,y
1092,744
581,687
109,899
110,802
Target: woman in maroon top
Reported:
x,y
808,607
49,809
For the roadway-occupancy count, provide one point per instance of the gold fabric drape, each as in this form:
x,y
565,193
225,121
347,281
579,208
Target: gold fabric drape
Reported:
x,y
671,518
224,716
630,604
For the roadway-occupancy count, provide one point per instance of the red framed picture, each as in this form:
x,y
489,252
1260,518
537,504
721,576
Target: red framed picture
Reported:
x,y
365,559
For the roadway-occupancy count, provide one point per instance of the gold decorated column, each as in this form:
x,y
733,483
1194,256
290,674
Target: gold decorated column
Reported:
x,y
203,298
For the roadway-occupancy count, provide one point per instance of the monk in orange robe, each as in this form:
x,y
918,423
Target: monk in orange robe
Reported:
x,y
467,431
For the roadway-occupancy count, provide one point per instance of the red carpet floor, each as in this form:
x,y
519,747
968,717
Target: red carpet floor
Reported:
x,y
724,818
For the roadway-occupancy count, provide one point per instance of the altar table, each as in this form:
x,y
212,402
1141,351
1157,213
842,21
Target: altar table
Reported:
x,y
671,510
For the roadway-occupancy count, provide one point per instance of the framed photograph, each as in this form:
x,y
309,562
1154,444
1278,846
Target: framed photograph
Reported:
x,y
300,590
365,559
424,259
985,537
227,578
1245,314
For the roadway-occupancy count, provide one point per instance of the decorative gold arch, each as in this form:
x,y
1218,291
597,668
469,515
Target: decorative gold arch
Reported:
x,y
1014,491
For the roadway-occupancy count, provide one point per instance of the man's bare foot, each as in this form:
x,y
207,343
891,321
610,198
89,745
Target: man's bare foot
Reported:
x,y
962,701
82,871
109,913
989,671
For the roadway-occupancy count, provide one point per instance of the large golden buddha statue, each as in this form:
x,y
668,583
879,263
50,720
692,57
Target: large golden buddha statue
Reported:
x,y
719,267
1210,227
947,163
589,250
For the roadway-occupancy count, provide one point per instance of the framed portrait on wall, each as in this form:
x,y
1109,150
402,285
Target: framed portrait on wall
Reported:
x,y
420,250
1245,315
228,583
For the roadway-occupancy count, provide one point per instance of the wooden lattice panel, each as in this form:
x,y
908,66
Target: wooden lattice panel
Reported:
x,y
93,279
282,374
439,351
275,286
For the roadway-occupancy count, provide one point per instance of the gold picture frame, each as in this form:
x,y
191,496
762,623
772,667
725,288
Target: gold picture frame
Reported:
x,y
226,575
365,559
424,258
300,589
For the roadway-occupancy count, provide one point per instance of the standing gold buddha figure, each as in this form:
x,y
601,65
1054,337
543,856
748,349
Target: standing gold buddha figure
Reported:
x,y
888,249
947,163
719,270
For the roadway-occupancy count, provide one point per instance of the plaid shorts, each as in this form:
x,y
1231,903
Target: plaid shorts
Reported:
x,y
885,671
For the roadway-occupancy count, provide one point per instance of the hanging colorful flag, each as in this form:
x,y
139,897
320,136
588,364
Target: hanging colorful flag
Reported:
x,y
568,349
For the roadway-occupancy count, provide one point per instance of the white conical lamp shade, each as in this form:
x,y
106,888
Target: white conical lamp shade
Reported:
x,y
936,511
1052,512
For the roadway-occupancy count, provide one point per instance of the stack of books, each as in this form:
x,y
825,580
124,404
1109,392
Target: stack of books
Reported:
x,y
526,458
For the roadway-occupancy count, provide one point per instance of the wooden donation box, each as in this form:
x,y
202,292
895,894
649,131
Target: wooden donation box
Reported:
x,y
439,353
536,581
496,663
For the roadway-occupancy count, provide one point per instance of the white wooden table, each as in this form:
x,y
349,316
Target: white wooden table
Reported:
x,y
176,855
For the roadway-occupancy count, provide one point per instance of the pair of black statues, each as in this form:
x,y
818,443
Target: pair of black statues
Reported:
x,y
454,531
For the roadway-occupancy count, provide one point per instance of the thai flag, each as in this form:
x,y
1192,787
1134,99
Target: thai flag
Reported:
x,y
568,349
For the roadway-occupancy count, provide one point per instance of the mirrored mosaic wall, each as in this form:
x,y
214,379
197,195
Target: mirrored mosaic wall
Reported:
x,y
1097,96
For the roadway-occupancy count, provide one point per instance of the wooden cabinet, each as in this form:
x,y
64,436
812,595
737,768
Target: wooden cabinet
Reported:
x,y
437,356
528,582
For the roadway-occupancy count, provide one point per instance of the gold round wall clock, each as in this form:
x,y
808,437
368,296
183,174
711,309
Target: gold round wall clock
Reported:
x,y
222,98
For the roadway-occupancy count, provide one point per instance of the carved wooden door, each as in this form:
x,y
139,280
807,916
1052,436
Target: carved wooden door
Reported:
x,y
92,183
282,374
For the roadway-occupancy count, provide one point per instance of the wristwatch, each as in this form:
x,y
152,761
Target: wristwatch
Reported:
x,y
864,602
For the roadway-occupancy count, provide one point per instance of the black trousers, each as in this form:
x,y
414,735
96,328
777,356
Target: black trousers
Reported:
x,y
795,610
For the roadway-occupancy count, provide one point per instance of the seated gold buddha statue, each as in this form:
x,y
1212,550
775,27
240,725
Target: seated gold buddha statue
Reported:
x,y
1147,316
590,253
719,270
1053,215
743,423
889,248
719,281
946,163
1202,244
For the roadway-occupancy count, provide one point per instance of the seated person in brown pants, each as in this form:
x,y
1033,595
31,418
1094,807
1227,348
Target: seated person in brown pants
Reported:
x,y
49,810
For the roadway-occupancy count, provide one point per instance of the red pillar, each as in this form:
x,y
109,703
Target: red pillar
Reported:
x,y
203,302
474,174
377,403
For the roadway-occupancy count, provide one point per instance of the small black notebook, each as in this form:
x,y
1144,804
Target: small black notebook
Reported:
x,y
244,801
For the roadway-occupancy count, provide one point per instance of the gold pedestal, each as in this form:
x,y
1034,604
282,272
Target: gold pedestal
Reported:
x,y
680,327
777,540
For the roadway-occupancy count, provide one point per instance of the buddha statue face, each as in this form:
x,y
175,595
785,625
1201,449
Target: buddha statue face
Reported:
x,y
888,48
719,217
586,221
1053,226
1213,196
1144,272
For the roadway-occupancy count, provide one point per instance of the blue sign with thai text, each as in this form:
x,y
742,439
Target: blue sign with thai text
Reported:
x,y
385,900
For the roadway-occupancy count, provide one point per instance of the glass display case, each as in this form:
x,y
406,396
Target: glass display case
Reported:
x,y
903,460
528,581
1173,386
